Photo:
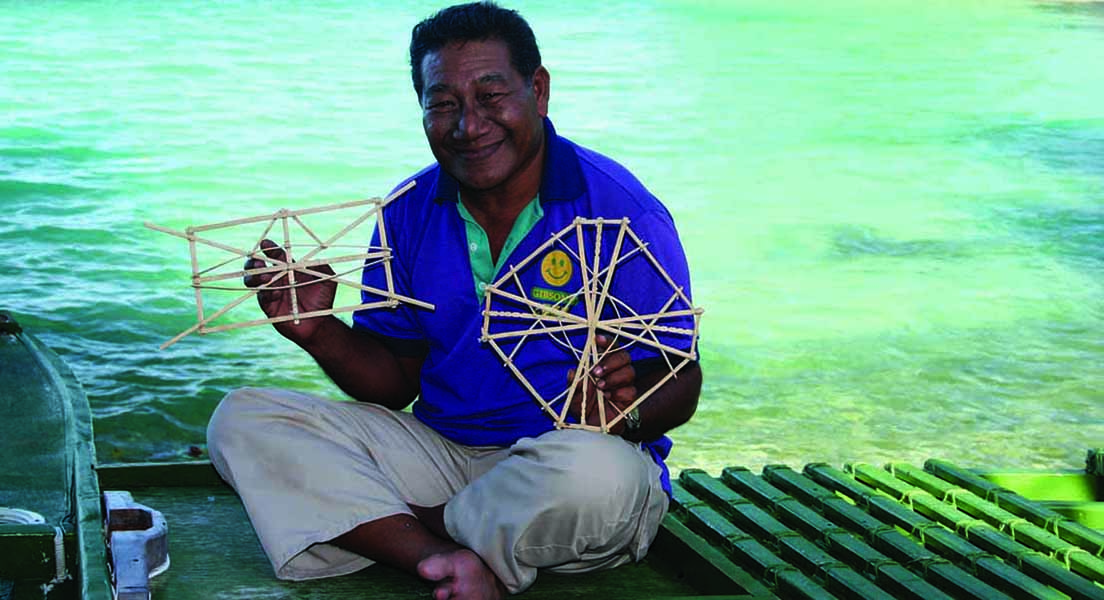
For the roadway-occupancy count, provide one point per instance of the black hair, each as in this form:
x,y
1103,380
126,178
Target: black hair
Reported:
x,y
476,21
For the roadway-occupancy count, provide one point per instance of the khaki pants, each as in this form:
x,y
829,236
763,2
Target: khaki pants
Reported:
x,y
310,469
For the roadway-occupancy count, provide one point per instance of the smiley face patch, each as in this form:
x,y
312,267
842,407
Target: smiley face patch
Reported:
x,y
556,268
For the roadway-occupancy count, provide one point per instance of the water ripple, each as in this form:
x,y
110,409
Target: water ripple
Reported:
x,y
892,212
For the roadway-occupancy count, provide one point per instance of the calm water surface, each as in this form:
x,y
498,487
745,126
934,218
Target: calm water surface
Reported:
x,y
892,210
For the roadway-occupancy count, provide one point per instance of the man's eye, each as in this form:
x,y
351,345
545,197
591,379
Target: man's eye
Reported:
x,y
492,96
444,106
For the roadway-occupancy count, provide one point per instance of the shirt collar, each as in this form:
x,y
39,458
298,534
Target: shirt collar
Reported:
x,y
562,178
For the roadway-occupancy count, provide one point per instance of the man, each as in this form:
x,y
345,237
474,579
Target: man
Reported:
x,y
475,489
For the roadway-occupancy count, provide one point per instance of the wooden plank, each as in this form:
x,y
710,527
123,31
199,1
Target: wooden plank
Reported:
x,y
688,556
136,476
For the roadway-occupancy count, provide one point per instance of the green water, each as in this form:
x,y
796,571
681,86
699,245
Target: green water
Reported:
x,y
893,211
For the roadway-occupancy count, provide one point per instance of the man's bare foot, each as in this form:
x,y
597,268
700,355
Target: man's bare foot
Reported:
x,y
461,575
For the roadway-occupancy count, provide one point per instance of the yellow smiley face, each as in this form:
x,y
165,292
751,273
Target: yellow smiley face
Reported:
x,y
556,268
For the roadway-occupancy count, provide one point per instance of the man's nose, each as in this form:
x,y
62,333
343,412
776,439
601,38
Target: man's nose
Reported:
x,y
472,122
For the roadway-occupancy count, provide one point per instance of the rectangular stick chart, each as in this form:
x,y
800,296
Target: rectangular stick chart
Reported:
x,y
337,235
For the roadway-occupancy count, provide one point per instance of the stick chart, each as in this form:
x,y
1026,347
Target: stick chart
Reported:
x,y
222,273
513,317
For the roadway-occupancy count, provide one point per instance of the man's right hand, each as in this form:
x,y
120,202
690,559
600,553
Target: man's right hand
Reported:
x,y
312,293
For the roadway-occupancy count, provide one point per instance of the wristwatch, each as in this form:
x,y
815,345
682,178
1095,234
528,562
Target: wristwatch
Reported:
x,y
632,422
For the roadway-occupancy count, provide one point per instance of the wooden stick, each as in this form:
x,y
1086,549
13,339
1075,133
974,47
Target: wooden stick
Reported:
x,y
309,231
525,335
378,210
503,335
563,315
195,263
372,290
376,202
281,268
378,205
387,277
613,260
659,268
289,259
544,246
305,315
649,327
594,312
525,382
242,287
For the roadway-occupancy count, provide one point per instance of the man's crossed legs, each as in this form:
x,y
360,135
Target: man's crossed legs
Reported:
x,y
332,487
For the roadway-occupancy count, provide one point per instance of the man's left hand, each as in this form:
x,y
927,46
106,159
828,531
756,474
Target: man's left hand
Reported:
x,y
615,377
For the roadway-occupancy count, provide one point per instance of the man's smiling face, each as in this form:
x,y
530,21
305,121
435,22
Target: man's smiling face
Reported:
x,y
481,117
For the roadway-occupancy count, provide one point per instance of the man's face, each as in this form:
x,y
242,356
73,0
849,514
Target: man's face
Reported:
x,y
482,120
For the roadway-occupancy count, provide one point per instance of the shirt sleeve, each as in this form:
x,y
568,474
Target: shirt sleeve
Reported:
x,y
396,327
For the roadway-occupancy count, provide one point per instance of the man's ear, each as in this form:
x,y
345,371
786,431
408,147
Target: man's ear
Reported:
x,y
541,85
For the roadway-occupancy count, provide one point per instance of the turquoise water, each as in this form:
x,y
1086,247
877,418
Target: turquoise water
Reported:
x,y
893,211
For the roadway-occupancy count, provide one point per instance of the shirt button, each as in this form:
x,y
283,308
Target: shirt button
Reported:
x,y
473,246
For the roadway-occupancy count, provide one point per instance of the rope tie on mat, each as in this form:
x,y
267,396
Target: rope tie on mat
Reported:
x,y
925,563
951,495
963,527
735,539
1052,523
1011,525
831,532
920,530
773,574
1017,557
973,558
876,532
906,498
1063,554
875,566
830,565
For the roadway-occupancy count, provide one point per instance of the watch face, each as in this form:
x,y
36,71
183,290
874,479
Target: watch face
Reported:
x,y
632,419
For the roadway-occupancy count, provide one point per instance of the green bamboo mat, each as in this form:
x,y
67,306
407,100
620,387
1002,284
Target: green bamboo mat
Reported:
x,y
894,532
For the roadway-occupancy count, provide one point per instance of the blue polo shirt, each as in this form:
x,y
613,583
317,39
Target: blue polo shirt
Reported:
x,y
467,394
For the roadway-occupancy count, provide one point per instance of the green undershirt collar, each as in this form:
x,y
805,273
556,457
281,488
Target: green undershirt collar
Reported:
x,y
479,248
